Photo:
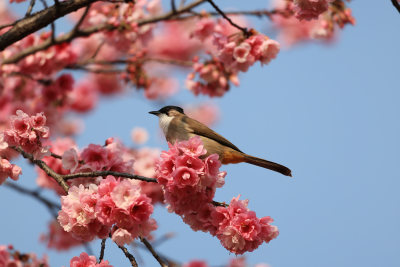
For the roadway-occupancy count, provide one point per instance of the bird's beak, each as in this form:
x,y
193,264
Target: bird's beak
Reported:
x,y
155,112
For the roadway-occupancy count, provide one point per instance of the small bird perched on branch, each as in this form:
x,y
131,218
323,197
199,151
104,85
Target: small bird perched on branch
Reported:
x,y
179,127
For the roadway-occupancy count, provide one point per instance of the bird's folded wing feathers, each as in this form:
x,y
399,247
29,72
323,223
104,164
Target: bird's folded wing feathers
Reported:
x,y
200,129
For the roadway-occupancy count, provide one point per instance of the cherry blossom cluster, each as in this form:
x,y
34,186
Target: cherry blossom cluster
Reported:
x,y
233,53
8,169
214,78
10,257
239,229
84,260
57,238
189,181
310,9
27,132
238,53
323,26
41,64
234,262
114,206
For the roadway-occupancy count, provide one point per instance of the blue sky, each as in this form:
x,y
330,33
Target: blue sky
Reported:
x,y
330,113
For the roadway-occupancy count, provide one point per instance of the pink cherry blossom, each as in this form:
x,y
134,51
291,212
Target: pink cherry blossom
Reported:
x,y
8,170
28,132
57,238
310,9
121,237
139,135
84,260
11,258
206,113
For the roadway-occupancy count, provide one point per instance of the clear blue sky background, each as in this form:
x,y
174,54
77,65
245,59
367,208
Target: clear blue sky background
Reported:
x,y
330,113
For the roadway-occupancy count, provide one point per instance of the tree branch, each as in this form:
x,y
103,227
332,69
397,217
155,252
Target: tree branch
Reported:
x,y
103,247
39,20
129,256
396,5
153,252
41,164
105,173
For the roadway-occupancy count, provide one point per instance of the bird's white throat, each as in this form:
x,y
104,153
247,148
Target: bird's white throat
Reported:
x,y
164,121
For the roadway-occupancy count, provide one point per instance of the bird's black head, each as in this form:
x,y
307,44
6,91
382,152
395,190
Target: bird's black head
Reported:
x,y
167,110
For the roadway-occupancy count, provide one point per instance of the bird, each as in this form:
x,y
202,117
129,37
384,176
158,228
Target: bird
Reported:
x,y
177,126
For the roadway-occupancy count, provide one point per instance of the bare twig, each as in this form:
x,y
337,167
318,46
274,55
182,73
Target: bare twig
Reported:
x,y
105,173
173,6
52,25
52,206
396,4
82,18
244,30
153,252
103,247
129,256
31,5
41,164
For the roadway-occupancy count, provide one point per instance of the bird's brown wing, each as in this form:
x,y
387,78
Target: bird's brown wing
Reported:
x,y
200,129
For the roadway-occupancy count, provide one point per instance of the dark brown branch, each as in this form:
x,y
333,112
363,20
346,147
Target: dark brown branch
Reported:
x,y
41,164
129,256
103,247
244,30
39,20
153,252
396,4
105,173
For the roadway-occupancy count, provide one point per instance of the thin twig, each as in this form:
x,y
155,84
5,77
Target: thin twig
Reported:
x,y
396,5
105,173
244,30
153,252
173,6
31,5
82,18
129,256
52,25
52,206
103,247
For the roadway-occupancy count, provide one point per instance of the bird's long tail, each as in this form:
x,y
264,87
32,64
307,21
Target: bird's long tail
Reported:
x,y
267,164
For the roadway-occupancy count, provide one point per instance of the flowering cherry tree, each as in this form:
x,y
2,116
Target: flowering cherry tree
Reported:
x,y
109,190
